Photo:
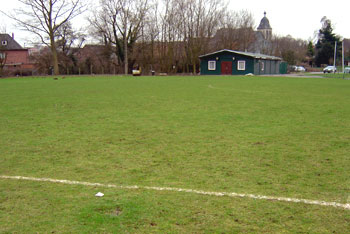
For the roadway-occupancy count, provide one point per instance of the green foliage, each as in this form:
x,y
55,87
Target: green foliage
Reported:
x,y
310,50
263,135
325,44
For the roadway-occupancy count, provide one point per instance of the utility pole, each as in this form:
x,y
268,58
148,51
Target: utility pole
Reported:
x,y
335,55
343,58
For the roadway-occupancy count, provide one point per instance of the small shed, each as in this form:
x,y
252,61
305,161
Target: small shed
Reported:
x,y
230,62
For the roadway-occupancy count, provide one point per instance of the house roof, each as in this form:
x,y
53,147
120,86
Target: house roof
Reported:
x,y
264,23
248,54
11,44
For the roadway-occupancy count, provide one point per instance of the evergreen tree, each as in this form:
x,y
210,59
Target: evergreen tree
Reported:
x,y
310,50
325,43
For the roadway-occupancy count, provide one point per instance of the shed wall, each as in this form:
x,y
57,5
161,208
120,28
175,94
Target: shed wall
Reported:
x,y
255,66
227,57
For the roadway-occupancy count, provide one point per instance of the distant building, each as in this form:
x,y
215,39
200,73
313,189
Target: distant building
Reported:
x,y
263,37
245,39
15,59
229,62
265,28
253,60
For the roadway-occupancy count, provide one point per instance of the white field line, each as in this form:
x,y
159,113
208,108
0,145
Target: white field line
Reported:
x,y
217,194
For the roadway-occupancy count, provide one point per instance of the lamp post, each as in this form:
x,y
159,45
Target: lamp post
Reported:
x,y
335,55
343,59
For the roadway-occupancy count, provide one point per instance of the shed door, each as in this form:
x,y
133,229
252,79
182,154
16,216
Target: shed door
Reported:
x,y
226,68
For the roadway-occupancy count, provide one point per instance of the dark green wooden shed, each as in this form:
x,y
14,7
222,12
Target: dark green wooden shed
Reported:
x,y
230,62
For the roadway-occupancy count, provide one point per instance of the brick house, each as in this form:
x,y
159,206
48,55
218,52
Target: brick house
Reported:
x,y
14,59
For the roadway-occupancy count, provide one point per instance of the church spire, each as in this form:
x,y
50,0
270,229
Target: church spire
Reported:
x,y
265,27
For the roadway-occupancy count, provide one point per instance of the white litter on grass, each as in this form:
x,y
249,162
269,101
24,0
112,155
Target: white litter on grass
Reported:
x,y
99,194
345,206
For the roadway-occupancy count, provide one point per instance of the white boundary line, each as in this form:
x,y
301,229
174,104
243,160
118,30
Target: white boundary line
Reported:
x,y
345,206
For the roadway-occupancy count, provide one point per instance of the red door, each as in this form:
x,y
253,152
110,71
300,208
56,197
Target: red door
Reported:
x,y
226,68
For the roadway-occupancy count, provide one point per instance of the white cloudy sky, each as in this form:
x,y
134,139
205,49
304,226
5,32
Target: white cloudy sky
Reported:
x,y
298,18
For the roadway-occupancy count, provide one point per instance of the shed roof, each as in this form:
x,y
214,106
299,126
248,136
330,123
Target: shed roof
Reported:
x,y
248,54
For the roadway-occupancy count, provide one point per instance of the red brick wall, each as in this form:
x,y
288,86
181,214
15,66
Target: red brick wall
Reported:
x,y
17,57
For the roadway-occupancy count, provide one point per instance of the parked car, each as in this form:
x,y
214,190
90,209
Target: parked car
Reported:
x,y
347,70
330,69
300,69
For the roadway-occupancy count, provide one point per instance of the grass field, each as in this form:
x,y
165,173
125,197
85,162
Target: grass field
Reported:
x,y
337,75
284,137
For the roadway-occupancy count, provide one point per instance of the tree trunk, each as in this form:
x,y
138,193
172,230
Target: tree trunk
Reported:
x,y
3,58
126,65
54,57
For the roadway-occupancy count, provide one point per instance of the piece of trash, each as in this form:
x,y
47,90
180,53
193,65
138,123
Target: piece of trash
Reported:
x,y
99,194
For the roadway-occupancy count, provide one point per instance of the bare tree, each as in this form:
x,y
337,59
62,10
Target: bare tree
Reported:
x,y
3,52
169,48
246,27
44,18
237,31
2,28
186,30
119,23
68,41
290,49
149,34
200,21
3,58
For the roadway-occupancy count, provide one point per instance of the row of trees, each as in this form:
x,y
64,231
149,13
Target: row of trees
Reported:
x,y
167,35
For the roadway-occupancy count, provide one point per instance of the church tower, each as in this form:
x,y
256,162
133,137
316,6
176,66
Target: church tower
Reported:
x,y
265,28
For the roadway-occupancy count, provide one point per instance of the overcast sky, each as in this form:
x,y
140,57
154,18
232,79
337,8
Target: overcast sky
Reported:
x,y
298,18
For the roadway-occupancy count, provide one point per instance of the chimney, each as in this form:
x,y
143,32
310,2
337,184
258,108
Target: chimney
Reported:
x,y
13,36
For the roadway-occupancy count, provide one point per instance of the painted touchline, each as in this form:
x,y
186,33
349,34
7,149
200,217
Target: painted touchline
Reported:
x,y
201,192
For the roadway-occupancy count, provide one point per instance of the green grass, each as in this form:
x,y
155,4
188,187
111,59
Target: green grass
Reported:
x,y
270,136
337,75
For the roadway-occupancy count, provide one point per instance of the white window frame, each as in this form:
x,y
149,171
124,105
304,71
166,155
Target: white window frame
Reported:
x,y
212,65
241,65
4,43
2,55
